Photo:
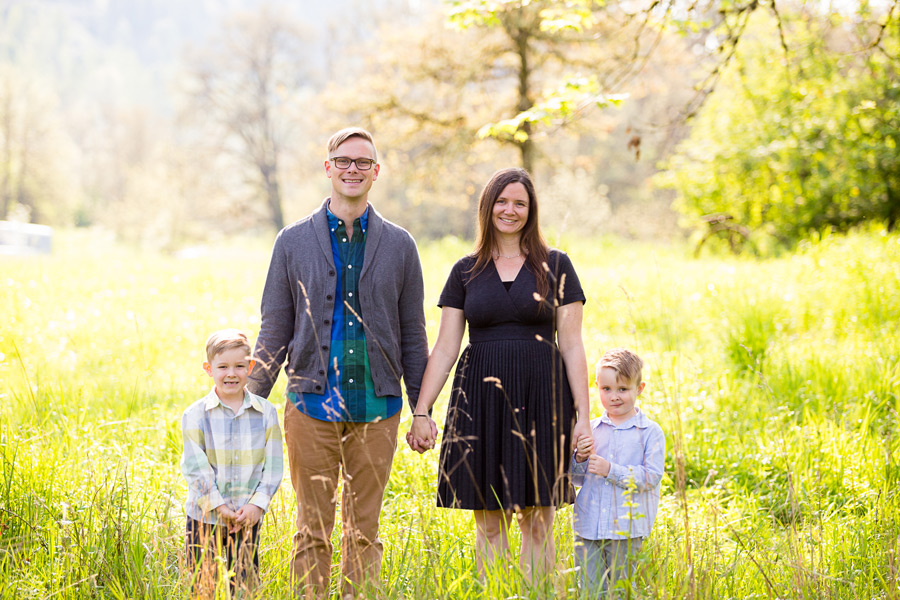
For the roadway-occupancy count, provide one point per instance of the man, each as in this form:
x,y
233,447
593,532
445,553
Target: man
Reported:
x,y
343,304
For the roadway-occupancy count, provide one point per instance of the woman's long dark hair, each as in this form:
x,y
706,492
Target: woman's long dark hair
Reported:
x,y
531,241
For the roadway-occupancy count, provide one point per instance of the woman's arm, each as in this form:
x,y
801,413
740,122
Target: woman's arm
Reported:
x,y
441,360
571,346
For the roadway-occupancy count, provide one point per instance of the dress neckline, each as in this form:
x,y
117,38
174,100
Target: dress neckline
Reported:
x,y
511,281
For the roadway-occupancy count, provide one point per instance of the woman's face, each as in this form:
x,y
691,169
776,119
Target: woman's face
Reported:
x,y
511,209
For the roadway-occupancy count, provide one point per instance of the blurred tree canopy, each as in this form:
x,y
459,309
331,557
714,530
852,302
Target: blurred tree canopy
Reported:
x,y
482,86
35,152
801,135
791,110
538,42
241,90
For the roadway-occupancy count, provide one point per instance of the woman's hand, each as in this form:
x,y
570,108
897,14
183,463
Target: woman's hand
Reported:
x,y
422,433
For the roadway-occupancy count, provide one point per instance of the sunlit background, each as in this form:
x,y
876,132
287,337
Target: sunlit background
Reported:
x,y
169,123
724,174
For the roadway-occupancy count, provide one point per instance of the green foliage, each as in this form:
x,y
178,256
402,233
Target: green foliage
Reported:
x,y
537,32
553,17
791,463
573,95
799,145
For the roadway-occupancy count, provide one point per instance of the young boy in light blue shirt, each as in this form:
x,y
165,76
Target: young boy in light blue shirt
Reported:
x,y
619,470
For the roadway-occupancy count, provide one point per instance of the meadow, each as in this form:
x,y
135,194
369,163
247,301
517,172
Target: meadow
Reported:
x,y
777,383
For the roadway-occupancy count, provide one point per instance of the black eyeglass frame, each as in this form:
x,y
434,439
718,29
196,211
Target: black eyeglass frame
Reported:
x,y
353,161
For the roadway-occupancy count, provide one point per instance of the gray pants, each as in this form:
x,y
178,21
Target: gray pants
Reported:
x,y
601,563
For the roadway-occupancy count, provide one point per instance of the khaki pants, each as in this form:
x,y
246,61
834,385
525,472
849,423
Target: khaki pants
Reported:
x,y
317,450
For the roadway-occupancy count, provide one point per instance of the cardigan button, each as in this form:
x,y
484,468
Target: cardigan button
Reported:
x,y
328,297
331,273
328,321
318,388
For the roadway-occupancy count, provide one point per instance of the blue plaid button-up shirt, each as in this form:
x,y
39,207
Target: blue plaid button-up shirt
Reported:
x,y
230,458
351,392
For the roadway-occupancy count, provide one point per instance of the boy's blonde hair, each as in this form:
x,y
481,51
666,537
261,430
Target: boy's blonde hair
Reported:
x,y
350,132
226,339
624,362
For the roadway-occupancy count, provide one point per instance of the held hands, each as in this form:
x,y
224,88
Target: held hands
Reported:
x,y
584,451
247,516
584,448
422,433
582,430
226,518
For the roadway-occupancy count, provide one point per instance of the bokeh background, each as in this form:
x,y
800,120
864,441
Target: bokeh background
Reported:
x,y
724,174
170,123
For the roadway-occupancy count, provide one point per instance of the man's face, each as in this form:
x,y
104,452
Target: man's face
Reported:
x,y
352,183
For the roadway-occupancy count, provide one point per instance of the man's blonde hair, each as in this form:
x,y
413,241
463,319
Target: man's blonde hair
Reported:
x,y
226,339
350,132
625,363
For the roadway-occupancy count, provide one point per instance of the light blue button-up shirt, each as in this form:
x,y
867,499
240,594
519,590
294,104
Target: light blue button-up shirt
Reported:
x,y
623,504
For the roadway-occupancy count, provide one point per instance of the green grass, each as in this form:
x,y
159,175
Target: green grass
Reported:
x,y
777,383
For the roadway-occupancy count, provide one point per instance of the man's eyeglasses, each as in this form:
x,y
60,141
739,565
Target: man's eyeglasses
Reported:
x,y
342,162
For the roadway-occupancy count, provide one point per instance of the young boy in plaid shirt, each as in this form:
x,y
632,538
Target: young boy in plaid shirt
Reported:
x,y
233,464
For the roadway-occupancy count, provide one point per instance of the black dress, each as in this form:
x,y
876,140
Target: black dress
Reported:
x,y
507,438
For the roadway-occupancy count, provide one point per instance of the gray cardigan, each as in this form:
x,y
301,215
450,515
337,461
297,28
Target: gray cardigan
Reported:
x,y
298,301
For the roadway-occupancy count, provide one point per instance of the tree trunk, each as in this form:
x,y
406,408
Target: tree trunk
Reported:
x,y
273,194
526,146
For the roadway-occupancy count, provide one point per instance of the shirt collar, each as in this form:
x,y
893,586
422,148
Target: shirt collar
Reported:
x,y
639,420
334,221
212,401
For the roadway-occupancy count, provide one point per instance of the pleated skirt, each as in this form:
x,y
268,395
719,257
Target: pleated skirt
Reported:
x,y
507,437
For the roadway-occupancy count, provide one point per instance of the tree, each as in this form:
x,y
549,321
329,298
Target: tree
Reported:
x,y
811,147
546,52
540,29
34,150
444,101
241,86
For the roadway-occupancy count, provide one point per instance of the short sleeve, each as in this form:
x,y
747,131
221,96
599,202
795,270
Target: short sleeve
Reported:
x,y
454,292
563,276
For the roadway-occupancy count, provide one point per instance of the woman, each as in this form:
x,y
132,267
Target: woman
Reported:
x,y
508,435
